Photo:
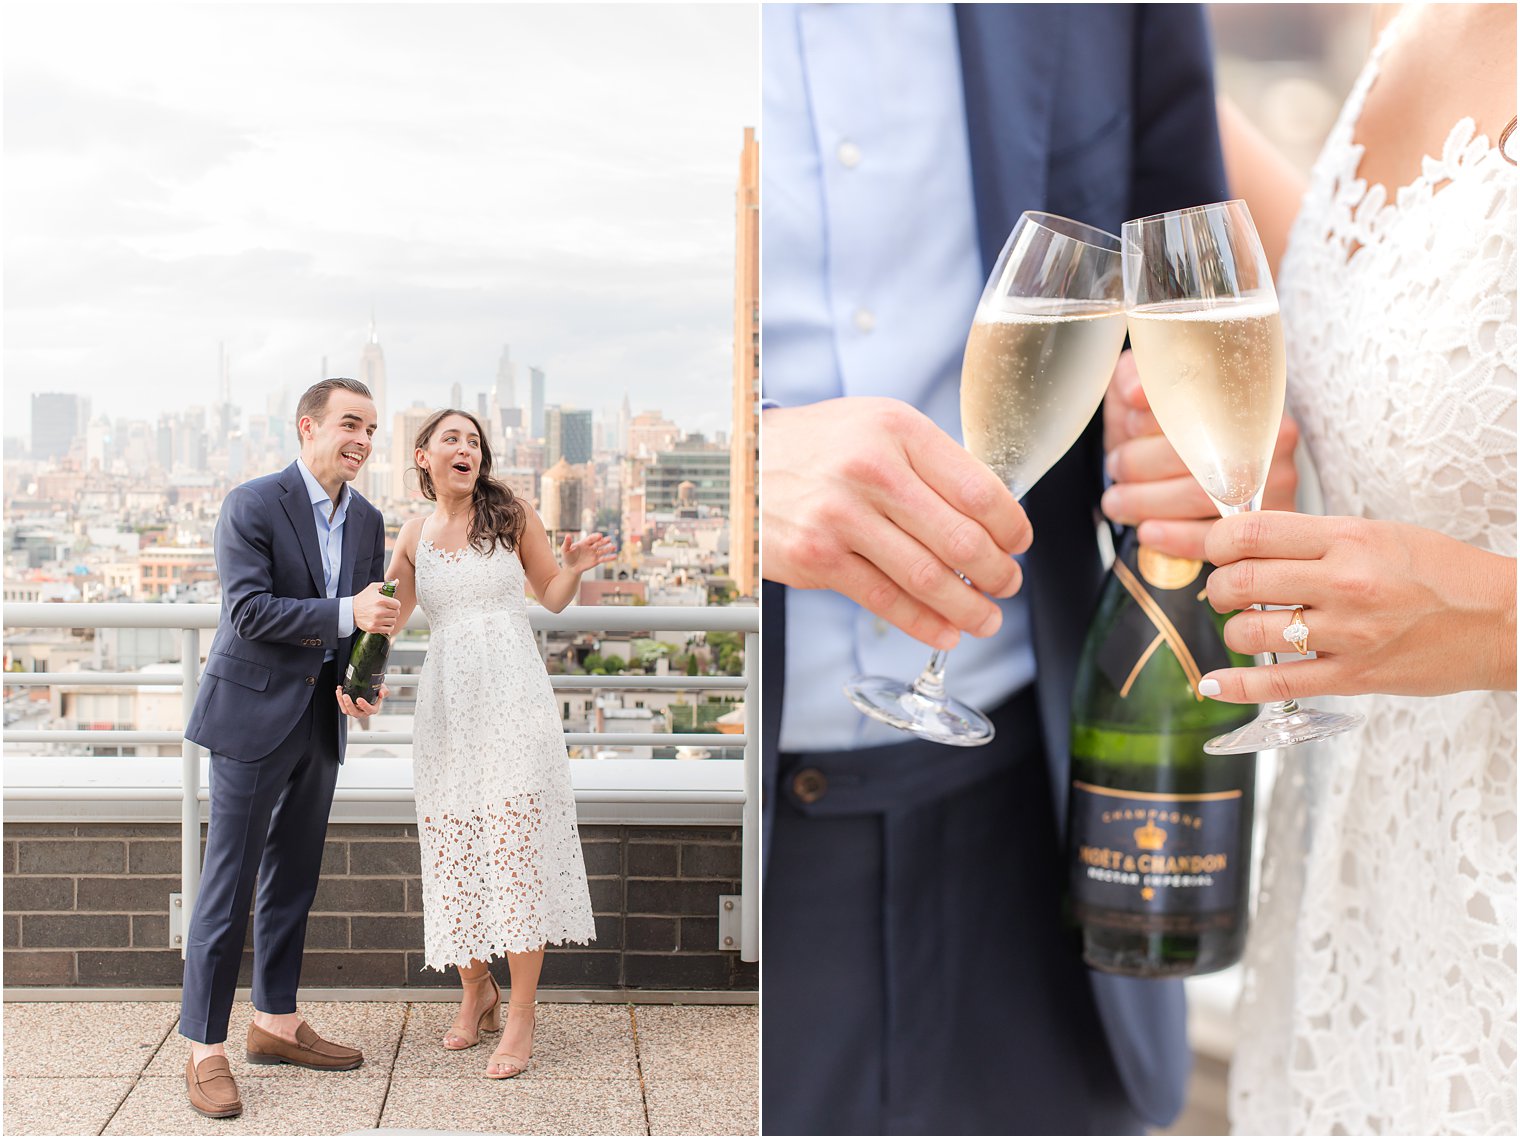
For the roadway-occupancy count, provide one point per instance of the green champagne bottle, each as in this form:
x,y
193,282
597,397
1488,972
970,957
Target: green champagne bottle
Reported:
x,y
1159,831
366,664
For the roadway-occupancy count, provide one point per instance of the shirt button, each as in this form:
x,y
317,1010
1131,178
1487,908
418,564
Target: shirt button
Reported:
x,y
865,319
881,626
311,680
849,155
809,785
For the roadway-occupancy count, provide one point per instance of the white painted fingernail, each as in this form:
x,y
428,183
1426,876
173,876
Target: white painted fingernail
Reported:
x,y
1208,688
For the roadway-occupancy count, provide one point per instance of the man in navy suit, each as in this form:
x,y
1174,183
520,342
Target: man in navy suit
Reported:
x,y
918,974
300,557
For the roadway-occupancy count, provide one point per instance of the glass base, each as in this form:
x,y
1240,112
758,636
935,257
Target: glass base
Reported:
x,y
934,717
1276,728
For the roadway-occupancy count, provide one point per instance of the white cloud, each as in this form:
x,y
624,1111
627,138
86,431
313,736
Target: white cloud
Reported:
x,y
557,177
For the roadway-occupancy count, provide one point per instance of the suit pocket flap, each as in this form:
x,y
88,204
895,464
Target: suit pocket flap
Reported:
x,y
237,670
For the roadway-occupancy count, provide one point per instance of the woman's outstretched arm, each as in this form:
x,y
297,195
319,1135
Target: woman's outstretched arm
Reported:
x,y
554,584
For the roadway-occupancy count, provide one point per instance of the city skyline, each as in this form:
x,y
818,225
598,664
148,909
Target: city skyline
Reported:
x,y
160,211
281,402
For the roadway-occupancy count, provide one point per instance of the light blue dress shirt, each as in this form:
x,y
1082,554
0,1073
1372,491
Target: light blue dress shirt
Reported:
x,y
872,275
330,539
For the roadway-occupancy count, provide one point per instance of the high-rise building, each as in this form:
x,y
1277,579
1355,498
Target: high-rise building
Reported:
x,y
235,456
138,445
523,481
649,433
456,396
224,415
97,443
165,443
190,445
372,370
743,515
529,453
625,423
567,435
58,418
404,486
506,379
196,450
536,402
706,468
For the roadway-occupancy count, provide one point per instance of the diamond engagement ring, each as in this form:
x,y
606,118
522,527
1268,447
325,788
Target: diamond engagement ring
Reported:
x,y
1297,633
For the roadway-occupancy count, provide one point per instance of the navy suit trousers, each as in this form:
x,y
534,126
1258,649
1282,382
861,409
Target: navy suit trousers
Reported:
x,y
268,825
918,975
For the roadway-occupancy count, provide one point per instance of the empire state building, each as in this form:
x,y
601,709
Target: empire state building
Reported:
x,y
374,479
372,369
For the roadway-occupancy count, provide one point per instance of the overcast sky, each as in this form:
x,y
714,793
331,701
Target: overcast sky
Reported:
x,y
556,177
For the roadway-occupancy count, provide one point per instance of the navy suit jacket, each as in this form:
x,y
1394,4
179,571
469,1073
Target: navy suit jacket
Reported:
x,y
277,621
1100,113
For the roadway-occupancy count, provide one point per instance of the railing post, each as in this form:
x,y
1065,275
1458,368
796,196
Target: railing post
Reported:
x,y
749,865
190,788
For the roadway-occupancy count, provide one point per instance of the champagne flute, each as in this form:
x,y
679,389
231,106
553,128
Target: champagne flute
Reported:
x,y
1042,347
1207,339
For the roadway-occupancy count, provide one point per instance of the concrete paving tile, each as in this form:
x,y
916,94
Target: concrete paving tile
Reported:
x,y
49,1039
522,1106
703,1107
569,1042
373,1027
270,1107
698,1042
35,1106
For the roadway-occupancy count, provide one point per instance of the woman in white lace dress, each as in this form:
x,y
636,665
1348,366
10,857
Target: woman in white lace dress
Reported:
x,y
502,872
1380,974
1380,978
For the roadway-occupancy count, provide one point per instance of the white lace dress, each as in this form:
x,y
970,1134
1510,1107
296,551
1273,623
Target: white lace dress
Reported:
x,y
1380,975
502,870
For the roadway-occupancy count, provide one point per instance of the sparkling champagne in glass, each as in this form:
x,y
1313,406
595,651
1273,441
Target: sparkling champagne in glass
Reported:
x,y
1207,339
1042,347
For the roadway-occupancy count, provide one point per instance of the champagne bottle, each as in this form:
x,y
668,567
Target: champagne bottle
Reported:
x,y
366,664
1159,831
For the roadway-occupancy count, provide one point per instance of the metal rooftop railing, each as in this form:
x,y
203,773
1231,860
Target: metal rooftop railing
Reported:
x,y
191,619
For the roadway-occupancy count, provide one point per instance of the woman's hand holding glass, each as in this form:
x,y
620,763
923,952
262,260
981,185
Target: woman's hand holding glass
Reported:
x,y
1207,338
1393,608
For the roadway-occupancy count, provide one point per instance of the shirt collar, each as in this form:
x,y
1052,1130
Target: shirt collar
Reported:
x,y
319,497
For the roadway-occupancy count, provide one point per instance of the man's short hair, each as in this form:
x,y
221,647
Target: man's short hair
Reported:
x,y
314,402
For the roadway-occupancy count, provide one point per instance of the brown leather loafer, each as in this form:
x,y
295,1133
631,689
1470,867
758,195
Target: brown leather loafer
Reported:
x,y
213,1091
309,1050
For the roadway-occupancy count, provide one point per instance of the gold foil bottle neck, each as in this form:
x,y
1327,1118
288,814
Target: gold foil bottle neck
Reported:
x,y
1166,572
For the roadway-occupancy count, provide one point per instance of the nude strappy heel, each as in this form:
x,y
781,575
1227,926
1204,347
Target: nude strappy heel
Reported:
x,y
513,1065
490,1020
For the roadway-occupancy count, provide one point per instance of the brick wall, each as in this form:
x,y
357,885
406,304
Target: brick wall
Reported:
x,y
88,905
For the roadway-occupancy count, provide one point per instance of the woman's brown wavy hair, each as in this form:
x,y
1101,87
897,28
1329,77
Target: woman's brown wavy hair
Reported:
x,y
497,517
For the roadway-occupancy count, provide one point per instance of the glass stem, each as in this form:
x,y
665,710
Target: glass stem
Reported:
x,y
931,682
1286,707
